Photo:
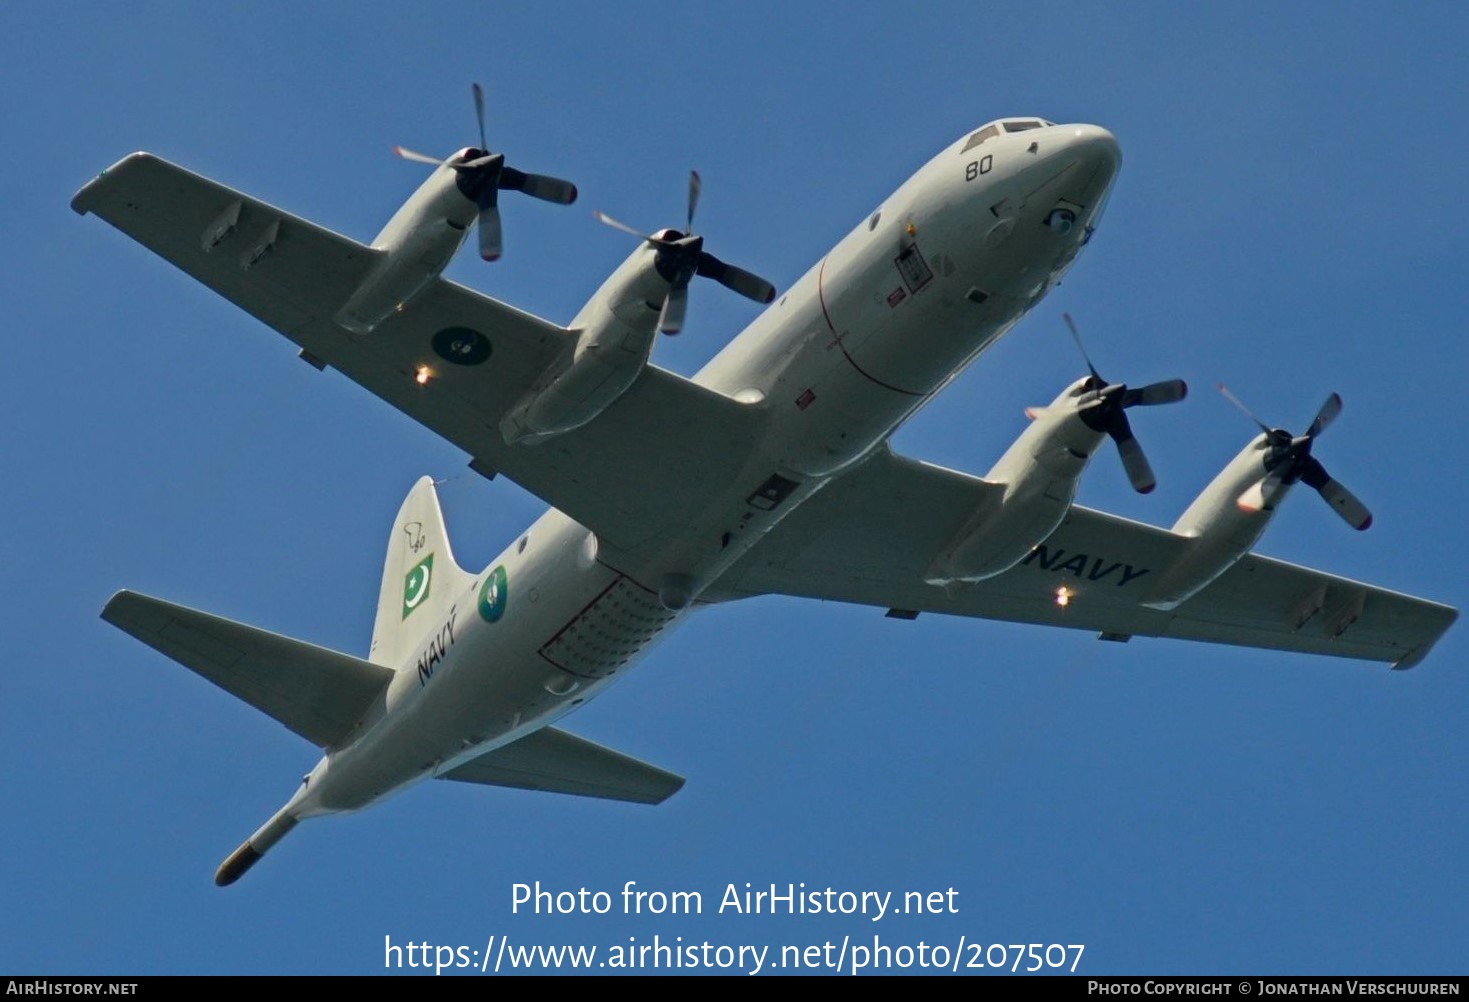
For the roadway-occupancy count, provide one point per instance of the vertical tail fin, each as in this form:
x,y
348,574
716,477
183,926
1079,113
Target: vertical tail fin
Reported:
x,y
420,578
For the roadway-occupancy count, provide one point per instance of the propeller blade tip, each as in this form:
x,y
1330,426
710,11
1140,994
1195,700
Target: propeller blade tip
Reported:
x,y
1367,524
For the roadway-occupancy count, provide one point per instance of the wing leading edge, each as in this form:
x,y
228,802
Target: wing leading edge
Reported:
x,y
630,475
869,537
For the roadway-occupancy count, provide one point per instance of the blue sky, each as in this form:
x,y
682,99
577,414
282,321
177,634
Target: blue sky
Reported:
x,y
1288,220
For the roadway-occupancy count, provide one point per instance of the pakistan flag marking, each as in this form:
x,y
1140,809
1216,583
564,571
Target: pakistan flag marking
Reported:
x,y
416,584
492,596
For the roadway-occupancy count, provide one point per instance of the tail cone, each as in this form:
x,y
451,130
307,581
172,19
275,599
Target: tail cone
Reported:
x,y
255,846
234,867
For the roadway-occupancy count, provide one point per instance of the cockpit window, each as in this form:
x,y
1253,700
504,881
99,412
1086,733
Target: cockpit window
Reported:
x,y
993,129
988,132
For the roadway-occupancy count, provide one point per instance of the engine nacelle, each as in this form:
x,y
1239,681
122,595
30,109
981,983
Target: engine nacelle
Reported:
x,y
615,334
1039,474
411,251
1220,531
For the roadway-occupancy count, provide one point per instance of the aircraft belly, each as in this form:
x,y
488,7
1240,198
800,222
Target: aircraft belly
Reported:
x,y
848,353
832,404
562,627
926,340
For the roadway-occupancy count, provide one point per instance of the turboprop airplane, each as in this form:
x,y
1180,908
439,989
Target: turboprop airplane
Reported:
x,y
768,472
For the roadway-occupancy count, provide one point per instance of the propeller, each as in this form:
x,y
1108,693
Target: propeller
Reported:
x,y
681,256
1103,407
483,175
1289,460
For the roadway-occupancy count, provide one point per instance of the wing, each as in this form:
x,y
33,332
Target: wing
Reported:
x,y
869,537
318,693
665,445
557,762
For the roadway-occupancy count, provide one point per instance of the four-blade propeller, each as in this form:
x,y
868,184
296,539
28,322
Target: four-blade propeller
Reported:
x,y
483,175
1103,407
1290,460
681,256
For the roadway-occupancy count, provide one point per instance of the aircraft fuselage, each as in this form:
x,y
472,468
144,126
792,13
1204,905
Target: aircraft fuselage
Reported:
x,y
940,270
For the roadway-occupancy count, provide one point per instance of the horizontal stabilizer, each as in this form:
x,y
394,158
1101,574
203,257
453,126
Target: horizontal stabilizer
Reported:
x,y
557,762
318,693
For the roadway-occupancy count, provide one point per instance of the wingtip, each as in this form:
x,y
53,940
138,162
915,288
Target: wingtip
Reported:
x,y
81,202
1448,615
118,597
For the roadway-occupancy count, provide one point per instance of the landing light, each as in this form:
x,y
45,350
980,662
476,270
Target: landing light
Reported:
x,y
1063,596
421,377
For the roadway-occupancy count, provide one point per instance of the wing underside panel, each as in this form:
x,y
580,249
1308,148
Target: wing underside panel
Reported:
x,y
869,538
630,475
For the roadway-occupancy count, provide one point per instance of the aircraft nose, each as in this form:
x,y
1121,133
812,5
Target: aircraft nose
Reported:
x,y
1081,161
1089,144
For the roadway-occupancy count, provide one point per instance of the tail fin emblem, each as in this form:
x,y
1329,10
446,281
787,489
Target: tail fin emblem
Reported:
x,y
416,584
416,538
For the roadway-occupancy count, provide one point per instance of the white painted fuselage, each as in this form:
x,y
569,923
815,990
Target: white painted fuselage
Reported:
x,y
930,278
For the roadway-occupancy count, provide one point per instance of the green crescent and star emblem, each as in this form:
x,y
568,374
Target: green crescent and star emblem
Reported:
x,y
416,584
493,594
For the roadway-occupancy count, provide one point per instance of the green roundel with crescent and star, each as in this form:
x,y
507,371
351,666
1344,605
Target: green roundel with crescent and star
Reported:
x,y
416,584
492,595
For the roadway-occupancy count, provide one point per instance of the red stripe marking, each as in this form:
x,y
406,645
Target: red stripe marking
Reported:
x,y
838,339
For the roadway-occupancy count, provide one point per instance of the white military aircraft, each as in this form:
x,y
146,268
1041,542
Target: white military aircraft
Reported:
x,y
768,472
